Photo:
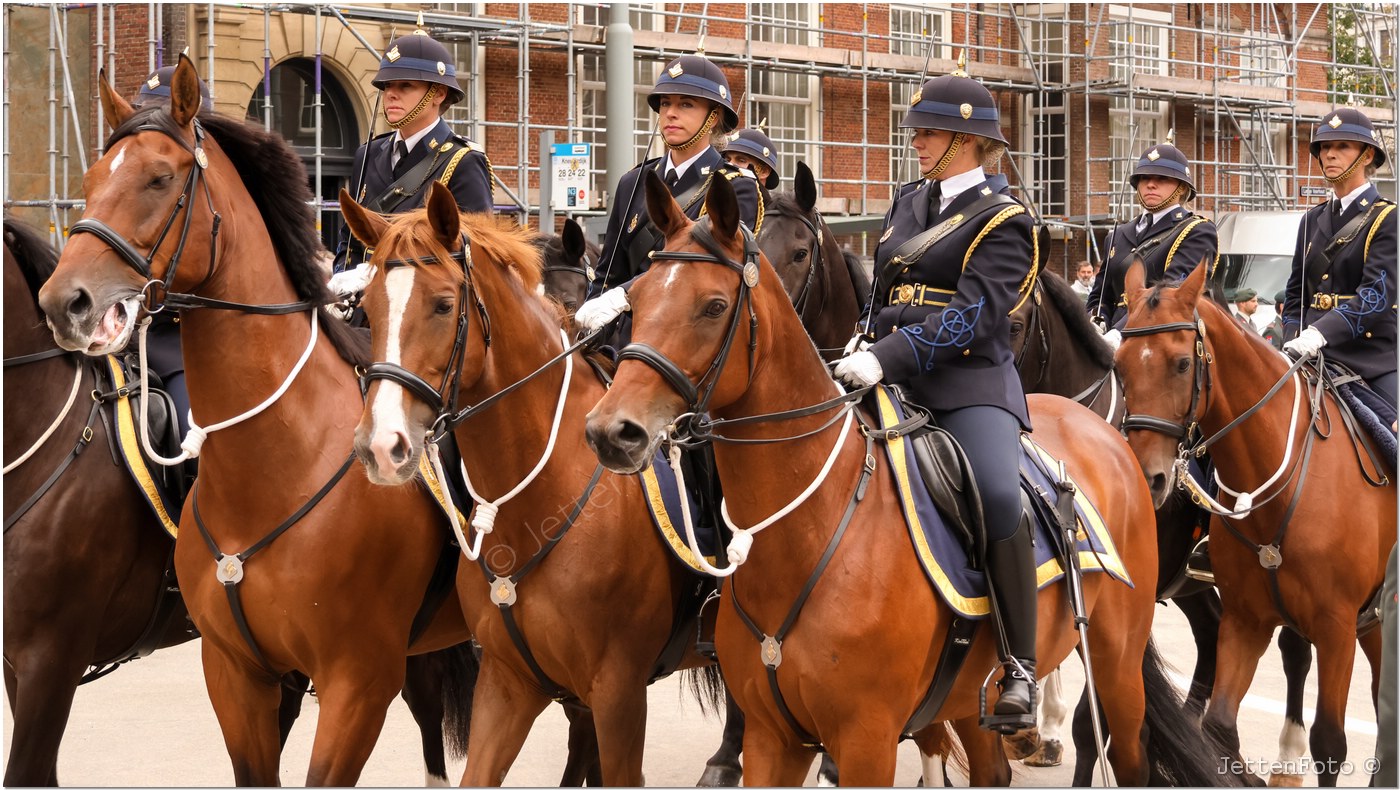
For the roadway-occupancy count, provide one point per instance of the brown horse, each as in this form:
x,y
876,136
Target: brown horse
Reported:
x,y
1189,375
569,259
854,665
209,214
85,556
600,600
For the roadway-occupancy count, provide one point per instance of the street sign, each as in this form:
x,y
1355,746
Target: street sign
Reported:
x,y
572,185
1315,192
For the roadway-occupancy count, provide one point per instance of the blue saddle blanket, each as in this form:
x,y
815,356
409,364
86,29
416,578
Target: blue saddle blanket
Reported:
x,y
664,500
943,556
1374,414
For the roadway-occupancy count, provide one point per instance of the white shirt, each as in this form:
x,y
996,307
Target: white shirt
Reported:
x,y
1144,223
952,186
1351,196
407,141
683,166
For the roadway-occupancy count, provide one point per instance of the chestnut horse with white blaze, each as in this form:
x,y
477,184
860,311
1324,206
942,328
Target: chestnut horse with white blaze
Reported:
x,y
289,558
856,663
1306,544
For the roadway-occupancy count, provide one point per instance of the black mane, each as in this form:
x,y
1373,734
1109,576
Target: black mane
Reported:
x,y
1071,309
274,176
31,250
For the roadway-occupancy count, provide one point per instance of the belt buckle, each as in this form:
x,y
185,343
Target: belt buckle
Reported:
x,y
904,294
1325,301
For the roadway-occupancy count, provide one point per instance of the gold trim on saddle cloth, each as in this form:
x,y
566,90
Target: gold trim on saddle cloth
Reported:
x,y
1112,561
651,487
129,442
440,496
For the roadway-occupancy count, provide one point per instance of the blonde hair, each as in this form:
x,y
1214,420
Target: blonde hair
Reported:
x,y
990,151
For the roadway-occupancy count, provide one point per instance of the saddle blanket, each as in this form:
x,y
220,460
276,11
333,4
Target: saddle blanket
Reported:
x,y
664,496
943,556
1373,413
127,423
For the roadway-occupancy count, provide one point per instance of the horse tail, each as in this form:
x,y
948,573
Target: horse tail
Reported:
x,y
707,686
456,669
1180,752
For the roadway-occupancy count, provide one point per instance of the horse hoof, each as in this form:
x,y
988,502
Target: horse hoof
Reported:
x,y
720,776
1049,755
1021,744
1285,780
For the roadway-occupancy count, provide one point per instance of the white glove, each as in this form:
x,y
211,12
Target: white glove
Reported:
x,y
860,369
351,281
858,342
1306,344
1113,338
600,310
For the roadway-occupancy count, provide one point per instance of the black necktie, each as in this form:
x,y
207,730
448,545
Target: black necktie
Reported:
x,y
672,178
935,198
1337,207
402,165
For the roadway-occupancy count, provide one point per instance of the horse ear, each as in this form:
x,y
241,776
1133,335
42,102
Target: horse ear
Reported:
x,y
663,209
723,208
115,109
185,101
443,215
1135,280
804,187
1195,281
366,225
575,247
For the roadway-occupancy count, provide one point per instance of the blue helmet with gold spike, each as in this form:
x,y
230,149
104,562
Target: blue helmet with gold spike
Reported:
x,y
695,75
1164,159
156,89
418,57
1347,123
955,103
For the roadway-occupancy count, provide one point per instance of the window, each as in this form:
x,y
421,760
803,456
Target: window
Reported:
x,y
593,105
914,28
1134,123
781,23
1264,64
784,100
1049,132
904,167
643,16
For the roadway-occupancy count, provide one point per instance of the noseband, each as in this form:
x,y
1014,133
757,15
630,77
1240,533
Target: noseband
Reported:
x,y
1187,431
584,269
443,399
698,399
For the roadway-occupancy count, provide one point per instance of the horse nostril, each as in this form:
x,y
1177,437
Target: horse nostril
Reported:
x,y
1159,484
628,434
399,453
80,304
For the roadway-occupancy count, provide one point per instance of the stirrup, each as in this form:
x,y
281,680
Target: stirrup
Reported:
x,y
1198,565
1006,723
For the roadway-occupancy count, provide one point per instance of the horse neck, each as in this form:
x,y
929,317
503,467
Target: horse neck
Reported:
x,y
1240,374
502,445
1063,367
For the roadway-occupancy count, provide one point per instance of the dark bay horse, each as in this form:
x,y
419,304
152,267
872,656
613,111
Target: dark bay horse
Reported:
x,y
853,667
338,571
1191,377
828,289
569,259
577,598
85,561
1059,351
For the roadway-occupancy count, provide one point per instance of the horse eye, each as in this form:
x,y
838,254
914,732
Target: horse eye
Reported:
x,y
716,308
160,182
1017,328
1183,364
444,306
800,256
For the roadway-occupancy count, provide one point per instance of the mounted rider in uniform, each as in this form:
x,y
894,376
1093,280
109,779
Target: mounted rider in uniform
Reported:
x,y
955,256
754,151
1169,239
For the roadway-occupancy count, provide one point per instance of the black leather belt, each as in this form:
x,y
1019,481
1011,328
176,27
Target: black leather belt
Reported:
x,y
920,295
1328,301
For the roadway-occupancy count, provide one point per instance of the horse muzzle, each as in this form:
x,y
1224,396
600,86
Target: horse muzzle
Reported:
x,y
622,445
390,457
89,323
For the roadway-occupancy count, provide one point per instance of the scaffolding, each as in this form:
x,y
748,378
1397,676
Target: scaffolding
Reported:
x,y
1083,88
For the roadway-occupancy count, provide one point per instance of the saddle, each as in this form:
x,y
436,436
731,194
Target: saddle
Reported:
x,y
164,487
947,476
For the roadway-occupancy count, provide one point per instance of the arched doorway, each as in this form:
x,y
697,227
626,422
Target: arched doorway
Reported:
x,y
293,86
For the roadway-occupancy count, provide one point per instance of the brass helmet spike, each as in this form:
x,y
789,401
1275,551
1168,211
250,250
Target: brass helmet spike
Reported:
x,y
1351,99
1171,136
420,18
761,126
961,70
700,46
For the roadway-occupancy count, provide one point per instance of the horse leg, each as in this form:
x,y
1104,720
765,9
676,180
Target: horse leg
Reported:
x,y
987,765
1202,612
722,769
935,748
41,697
1242,642
1335,655
353,707
582,767
622,730
502,713
1292,741
1086,752
1122,697
294,690
422,693
246,702
772,761
1054,708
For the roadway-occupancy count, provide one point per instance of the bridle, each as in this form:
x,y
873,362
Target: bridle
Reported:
x,y
815,264
697,394
1188,431
584,268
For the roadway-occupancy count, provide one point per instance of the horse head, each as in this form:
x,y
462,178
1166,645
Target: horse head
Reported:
x,y
141,208
696,309
568,266
791,237
1163,362
431,329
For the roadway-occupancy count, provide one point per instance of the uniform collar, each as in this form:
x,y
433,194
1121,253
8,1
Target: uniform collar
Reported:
x,y
413,140
682,168
1352,196
1157,215
952,186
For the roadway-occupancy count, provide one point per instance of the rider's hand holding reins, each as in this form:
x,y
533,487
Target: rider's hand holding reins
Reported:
x,y
1306,344
858,342
602,309
1113,338
351,281
860,369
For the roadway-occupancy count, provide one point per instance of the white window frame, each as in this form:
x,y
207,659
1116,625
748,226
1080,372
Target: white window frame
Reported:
x,y
797,144
1124,151
942,14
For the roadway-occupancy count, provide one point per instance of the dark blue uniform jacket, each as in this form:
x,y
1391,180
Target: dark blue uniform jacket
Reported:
x,y
1170,248
1352,299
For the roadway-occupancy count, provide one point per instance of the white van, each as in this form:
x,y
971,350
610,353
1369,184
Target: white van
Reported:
x,y
1256,251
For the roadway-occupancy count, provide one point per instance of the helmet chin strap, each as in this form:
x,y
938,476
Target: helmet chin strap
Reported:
x,y
413,113
1177,196
700,135
1345,174
948,156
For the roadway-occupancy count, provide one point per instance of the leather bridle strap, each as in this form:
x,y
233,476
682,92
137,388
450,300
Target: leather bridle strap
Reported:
x,y
1178,430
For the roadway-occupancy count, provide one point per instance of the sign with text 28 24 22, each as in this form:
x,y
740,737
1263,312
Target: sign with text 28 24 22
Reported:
x,y
571,171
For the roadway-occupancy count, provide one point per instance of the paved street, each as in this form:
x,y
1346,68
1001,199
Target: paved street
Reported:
x,y
151,724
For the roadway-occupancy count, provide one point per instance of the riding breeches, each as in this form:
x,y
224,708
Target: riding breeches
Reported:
x,y
991,438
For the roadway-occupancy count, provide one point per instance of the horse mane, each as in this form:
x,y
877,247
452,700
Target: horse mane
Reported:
x,y
32,252
275,178
1071,309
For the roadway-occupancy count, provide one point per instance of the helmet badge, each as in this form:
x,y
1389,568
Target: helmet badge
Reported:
x,y
1153,155
723,92
392,55
153,82
1335,122
965,110
766,152
676,71
442,68
916,98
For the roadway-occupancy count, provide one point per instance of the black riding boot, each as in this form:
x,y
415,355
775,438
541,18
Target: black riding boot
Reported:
x,y
1011,570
